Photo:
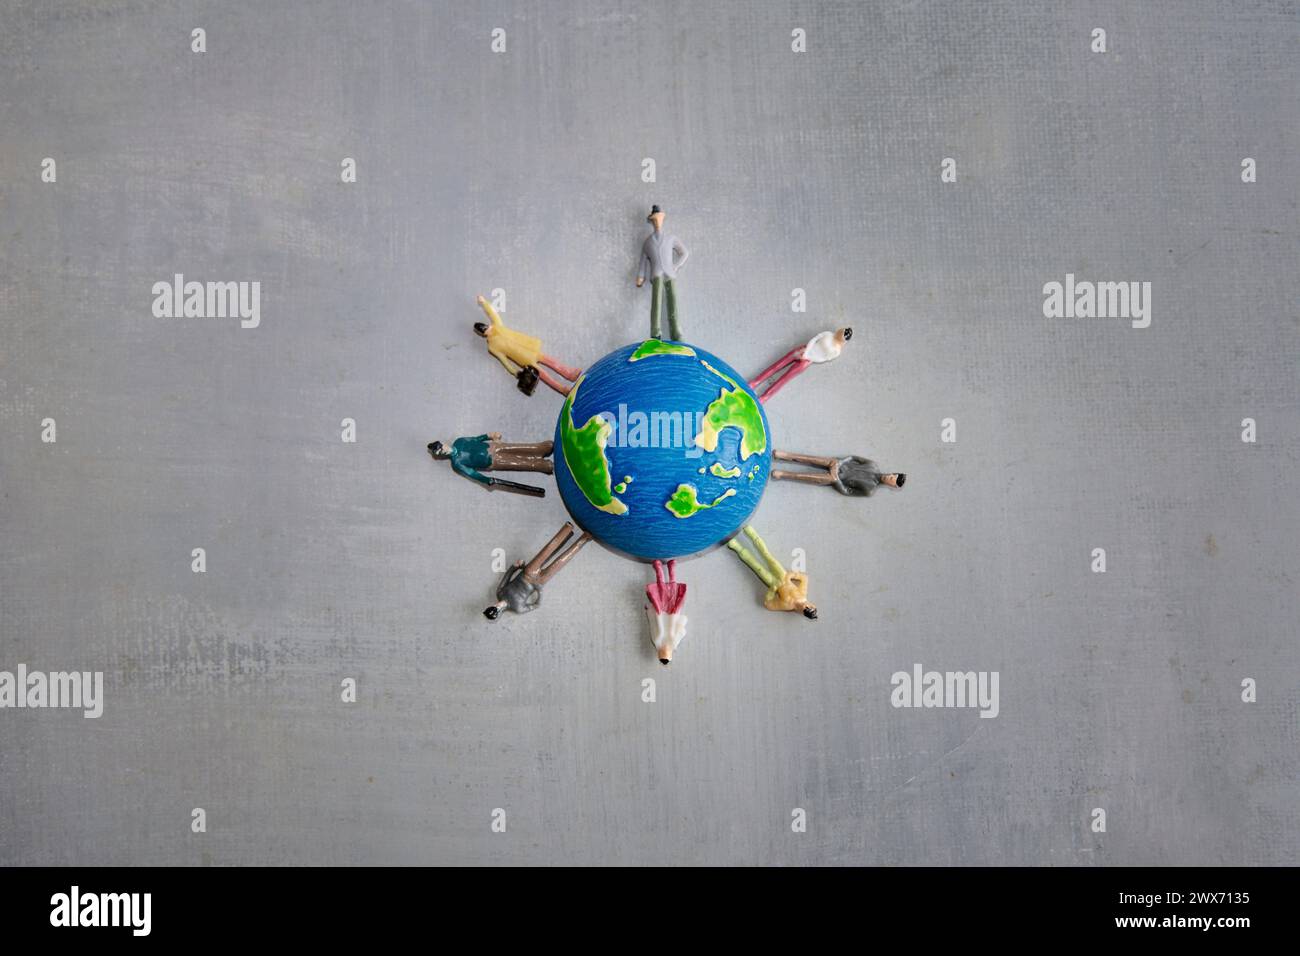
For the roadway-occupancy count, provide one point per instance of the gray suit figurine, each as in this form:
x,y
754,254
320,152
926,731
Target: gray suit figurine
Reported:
x,y
661,256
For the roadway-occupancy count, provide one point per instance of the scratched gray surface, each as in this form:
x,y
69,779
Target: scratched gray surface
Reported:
x,y
522,171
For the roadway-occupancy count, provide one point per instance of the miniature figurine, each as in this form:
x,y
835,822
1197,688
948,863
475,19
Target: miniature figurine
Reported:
x,y
786,590
521,586
521,354
820,348
659,263
667,623
851,475
472,456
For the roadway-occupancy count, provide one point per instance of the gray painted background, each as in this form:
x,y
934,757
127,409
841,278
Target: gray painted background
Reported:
x,y
522,171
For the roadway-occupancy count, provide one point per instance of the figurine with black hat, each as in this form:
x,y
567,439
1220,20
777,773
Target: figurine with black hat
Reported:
x,y
662,254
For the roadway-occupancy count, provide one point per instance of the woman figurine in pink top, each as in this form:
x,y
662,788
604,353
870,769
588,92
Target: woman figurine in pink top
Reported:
x,y
820,348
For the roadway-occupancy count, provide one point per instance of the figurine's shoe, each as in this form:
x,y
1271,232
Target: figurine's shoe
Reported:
x,y
492,613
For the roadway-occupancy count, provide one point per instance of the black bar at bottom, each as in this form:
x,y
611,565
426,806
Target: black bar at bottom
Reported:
x,y
374,904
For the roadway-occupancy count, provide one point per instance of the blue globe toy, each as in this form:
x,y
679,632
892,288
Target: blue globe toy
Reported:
x,y
661,451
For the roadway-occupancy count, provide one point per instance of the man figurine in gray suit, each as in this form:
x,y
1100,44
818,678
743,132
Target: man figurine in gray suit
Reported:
x,y
850,475
661,256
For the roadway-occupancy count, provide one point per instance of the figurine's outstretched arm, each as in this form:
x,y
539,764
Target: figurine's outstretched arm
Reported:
x,y
497,353
490,312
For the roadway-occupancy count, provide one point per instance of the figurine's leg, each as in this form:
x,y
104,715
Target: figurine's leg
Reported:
x,y
823,477
568,371
546,377
656,291
532,568
655,593
671,290
791,356
752,563
807,477
818,460
676,592
527,449
502,462
786,376
778,571
563,558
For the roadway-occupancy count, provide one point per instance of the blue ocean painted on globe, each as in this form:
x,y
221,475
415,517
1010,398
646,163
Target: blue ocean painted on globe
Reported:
x,y
662,450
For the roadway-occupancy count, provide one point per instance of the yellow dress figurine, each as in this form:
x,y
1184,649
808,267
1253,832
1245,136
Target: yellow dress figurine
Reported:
x,y
520,354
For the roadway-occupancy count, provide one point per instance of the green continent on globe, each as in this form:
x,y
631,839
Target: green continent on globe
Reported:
x,y
683,503
584,452
718,470
657,347
734,408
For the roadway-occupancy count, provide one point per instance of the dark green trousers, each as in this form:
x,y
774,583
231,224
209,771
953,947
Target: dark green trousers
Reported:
x,y
661,288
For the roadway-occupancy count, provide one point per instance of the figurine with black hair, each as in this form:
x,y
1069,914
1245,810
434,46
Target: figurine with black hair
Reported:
x,y
823,347
851,475
521,586
520,354
786,590
667,622
475,454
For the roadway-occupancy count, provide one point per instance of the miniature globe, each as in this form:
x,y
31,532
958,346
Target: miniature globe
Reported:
x,y
661,451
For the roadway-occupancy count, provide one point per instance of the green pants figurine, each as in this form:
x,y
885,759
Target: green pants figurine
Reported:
x,y
661,289
661,256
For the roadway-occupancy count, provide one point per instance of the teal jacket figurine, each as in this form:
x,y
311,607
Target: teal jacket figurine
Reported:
x,y
473,455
